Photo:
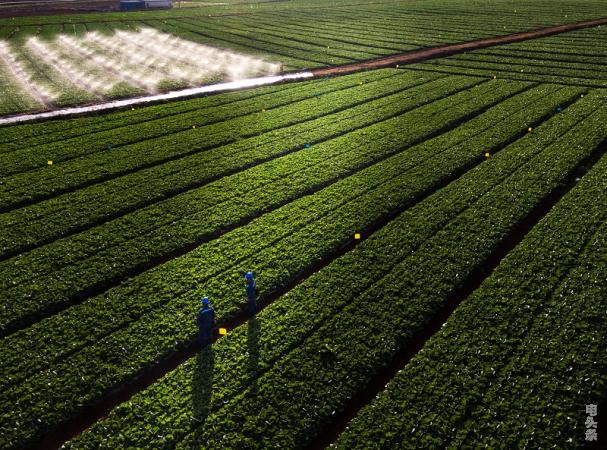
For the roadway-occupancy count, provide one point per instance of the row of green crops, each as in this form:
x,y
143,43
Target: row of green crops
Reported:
x,y
377,35
279,256
518,361
342,163
522,70
50,77
14,97
319,168
377,323
319,344
281,193
45,222
277,44
187,130
332,38
237,193
279,245
326,39
76,172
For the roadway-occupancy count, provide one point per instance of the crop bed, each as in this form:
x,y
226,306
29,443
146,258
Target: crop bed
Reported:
x,y
304,316
512,340
576,58
426,241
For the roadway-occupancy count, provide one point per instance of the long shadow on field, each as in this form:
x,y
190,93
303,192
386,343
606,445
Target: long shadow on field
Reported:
x,y
253,333
202,380
202,385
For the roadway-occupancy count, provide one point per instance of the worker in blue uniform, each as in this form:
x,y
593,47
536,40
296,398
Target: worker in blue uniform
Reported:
x,y
206,322
251,289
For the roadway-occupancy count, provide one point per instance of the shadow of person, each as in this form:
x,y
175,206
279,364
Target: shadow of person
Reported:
x,y
202,385
253,333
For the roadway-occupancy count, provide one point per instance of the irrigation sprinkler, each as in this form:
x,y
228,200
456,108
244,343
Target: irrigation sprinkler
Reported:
x,y
22,77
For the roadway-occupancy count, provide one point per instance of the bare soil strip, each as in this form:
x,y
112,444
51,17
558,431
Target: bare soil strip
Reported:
x,y
377,63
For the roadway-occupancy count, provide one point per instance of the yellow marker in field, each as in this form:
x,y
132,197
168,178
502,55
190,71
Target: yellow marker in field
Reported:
x,y
49,162
494,77
529,129
193,126
223,331
487,155
263,110
357,236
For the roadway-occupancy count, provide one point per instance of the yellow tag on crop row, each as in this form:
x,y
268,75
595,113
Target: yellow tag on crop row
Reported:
x,y
487,155
529,129
223,331
50,163
357,236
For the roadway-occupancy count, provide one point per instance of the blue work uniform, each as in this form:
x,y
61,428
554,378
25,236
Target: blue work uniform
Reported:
x,y
206,321
251,294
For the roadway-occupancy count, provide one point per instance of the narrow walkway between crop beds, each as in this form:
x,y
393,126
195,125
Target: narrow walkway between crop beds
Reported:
x,y
331,431
93,413
377,63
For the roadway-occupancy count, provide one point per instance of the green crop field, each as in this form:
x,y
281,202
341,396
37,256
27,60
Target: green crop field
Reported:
x,y
429,239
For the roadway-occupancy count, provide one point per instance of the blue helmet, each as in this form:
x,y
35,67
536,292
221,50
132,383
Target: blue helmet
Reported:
x,y
205,301
248,276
